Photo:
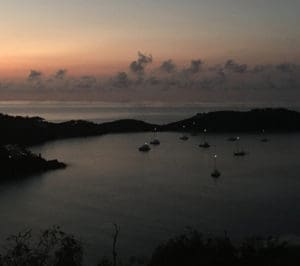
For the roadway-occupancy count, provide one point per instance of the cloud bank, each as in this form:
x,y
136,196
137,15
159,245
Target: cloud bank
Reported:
x,y
198,81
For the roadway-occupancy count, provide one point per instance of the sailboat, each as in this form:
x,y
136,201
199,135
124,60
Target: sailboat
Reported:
x,y
194,132
264,139
155,140
205,143
232,139
145,148
184,137
239,152
216,173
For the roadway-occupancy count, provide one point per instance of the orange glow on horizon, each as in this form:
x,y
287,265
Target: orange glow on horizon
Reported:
x,y
108,58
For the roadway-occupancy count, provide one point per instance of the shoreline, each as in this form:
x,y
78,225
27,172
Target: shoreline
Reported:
x,y
35,130
19,132
18,162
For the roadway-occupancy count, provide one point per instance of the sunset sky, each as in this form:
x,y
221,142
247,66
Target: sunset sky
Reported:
x,y
102,37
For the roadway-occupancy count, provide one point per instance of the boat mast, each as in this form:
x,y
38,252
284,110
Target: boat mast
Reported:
x,y
204,135
237,144
215,162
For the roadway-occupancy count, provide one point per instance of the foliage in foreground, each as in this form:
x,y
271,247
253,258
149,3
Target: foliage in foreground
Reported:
x,y
53,247
192,249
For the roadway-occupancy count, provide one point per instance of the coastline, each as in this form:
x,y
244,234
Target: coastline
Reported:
x,y
23,132
34,130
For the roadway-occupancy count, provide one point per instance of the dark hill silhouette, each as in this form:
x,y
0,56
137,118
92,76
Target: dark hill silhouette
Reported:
x,y
271,120
28,131
17,162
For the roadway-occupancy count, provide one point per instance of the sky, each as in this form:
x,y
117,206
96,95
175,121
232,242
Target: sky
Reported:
x,y
101,38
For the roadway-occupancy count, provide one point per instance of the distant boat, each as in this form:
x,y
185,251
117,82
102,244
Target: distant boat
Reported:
x,y
204,144
239,151
184,137
232,139
215,173
264,139
145,148
155,140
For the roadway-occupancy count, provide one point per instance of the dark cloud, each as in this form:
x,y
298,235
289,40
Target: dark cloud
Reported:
x,y
286,67
34,75
168,66
215,68
258,69
141,81
144,59
60,74
153,81
195,66
231,65
215,82
121,80
218,70
86,82
138,66
221,73
135,67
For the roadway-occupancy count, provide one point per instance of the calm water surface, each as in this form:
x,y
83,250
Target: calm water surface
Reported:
x,y
156,195
103,112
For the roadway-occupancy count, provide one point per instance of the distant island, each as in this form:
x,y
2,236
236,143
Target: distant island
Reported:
x,y
17,132
35,130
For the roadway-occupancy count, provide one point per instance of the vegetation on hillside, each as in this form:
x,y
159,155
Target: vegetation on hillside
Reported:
x,y
53,247
34,130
